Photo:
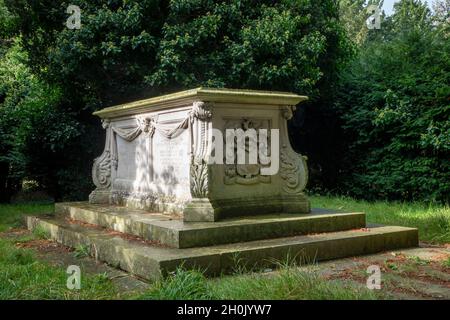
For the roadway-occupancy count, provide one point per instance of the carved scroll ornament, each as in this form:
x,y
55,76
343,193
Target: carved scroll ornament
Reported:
x,y
294,171
101,170
288,112
199,117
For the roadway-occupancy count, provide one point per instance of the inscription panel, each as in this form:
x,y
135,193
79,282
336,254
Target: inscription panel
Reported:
x,y
126,153
171,159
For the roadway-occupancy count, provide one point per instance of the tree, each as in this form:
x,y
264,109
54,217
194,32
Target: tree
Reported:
x,y
441,10
106,59
394,105
353,15
127,49
295,45
36,134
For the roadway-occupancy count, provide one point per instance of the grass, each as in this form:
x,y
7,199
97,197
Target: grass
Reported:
x,y
183,285
11,214
289,283
419,261
81,251
432,220
446,263
22,276
40,233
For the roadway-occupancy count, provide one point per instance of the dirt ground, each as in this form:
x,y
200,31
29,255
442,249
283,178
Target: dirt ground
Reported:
x,y
415,273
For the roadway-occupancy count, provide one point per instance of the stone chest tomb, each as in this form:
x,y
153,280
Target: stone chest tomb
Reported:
x,y
161,202
157,156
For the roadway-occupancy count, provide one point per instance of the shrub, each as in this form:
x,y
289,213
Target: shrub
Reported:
x,y
394,102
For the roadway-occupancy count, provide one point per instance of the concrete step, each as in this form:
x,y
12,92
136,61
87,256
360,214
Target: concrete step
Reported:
x,y
151,261
172,231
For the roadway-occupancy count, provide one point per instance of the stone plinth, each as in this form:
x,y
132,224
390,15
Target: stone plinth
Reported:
x,y
158,155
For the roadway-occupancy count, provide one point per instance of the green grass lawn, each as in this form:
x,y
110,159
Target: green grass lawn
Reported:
x,y
22,276
432,220
289,283
11,214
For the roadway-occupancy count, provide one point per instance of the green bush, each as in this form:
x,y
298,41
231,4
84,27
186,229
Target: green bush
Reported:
x,y
394,102
103,61
380,130
37,133
250,44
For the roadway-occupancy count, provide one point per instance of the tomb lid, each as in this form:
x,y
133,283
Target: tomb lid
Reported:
x,y
202,94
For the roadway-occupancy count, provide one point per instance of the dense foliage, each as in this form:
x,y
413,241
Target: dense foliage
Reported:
x,y
128,49
384,135
394,102
38,138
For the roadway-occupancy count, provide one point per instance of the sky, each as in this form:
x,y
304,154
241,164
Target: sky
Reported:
x,y
389,4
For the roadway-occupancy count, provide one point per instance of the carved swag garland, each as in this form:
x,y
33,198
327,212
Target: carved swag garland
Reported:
x,y
103,165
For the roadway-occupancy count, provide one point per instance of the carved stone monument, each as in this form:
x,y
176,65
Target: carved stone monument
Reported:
x,y
158,155
173,166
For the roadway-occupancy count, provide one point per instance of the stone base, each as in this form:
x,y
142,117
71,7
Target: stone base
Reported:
x,y
152,261
147,201
295,204
99,196
204,209
171,231
200,210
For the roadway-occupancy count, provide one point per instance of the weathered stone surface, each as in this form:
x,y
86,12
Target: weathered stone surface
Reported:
x,y
152,262
157,155
174,232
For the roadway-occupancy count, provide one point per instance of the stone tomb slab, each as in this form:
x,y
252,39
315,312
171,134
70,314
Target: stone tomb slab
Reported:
x,y
153,262
172,231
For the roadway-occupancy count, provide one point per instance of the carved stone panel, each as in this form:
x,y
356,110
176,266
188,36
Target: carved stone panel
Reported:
x,y
247,173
